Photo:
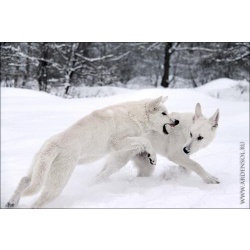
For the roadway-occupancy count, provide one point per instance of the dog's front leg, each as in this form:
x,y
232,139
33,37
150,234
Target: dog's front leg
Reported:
x,y
183,160
123,151
144,167
137,145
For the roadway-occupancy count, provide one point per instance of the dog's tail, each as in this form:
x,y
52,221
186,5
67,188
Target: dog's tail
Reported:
x,y
40,167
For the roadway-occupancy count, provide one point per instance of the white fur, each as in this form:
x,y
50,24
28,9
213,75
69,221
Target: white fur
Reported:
x,y
116,130
172,145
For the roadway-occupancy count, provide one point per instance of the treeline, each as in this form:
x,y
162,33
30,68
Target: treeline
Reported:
x,y
91,63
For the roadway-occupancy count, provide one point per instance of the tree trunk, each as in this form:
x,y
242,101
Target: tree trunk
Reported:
x,y
66,90
67,83
165,78
16,77
42,77
192,77
42,69
27,71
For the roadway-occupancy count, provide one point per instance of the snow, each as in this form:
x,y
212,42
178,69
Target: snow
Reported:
x,y
30,117
227,89
87,92
139,81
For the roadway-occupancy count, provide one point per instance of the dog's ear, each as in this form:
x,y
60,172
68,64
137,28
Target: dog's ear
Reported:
x,y
164,98
215,119
152,105
198,112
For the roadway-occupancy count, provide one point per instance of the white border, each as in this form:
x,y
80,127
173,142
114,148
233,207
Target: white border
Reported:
x,y
124,229
125,21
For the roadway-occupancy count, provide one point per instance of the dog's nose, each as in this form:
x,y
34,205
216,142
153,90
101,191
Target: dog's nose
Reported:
x,y
185,150
176,122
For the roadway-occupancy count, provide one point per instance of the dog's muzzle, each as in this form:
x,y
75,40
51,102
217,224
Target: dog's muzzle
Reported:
x,y
174,123
186,150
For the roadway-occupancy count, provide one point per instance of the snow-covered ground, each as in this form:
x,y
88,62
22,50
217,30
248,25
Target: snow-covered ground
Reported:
x,y
227,89
29,117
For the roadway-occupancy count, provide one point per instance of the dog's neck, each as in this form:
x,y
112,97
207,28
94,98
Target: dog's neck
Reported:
x,y
141,120
186,121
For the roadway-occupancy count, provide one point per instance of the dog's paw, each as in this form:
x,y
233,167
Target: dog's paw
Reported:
x,y
152,158
209,179
10,205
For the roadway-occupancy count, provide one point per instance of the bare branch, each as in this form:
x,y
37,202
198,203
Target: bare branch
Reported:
x,y
247,45
119,57
93,59
153,46
196,49
240,57
17,65
173,48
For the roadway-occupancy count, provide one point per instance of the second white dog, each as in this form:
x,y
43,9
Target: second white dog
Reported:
x,y
193,133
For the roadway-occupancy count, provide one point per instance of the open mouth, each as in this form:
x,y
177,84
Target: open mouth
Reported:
x,y
176,122
172,125
165,129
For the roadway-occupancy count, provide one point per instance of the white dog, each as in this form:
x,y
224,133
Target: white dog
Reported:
x,y
193,133
114,130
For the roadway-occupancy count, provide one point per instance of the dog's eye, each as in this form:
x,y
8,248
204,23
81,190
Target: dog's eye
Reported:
x,y
163,113
200,137
191,135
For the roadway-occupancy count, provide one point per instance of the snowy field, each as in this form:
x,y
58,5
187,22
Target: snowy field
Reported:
x,y
29,117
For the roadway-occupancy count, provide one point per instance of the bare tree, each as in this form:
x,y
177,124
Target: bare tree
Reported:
x,y
87,63
170,48
42,74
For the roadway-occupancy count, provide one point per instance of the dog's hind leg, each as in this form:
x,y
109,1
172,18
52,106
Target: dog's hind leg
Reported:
x,y
14,200
145,169
42,164
57,177
32,183
115,161
22,186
